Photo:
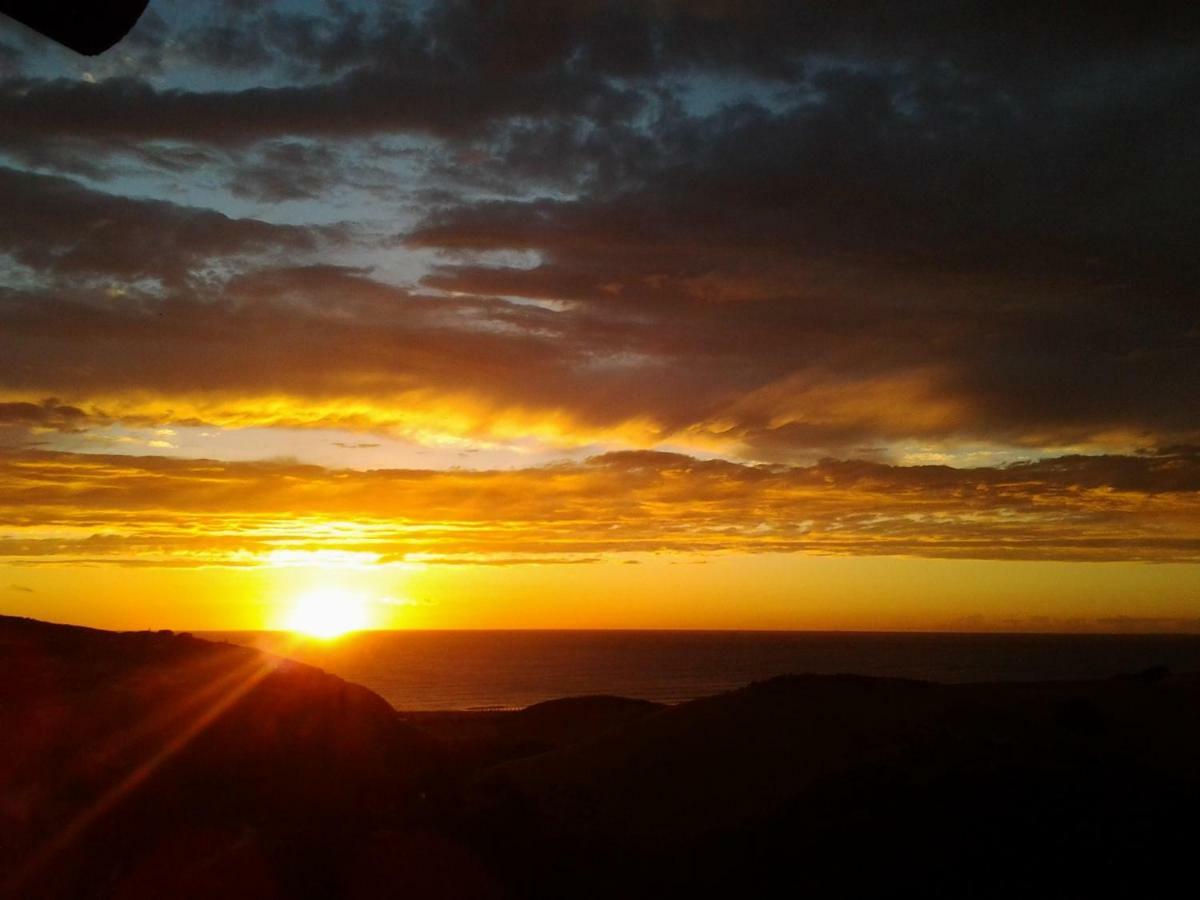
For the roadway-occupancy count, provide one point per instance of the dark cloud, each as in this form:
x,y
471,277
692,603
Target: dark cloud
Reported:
x,y
61,229
1028,258
410,94
10,60
287,170
769,39
458,65
49,415
234,44
780,229
771,378
338,346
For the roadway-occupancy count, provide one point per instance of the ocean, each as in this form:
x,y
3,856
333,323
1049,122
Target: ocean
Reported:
x,y
429,670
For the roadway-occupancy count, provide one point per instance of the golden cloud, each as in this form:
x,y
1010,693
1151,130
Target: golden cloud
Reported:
x,y
79,508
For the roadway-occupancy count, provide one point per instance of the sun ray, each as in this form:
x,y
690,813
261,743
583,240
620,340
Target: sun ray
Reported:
x,y
212,700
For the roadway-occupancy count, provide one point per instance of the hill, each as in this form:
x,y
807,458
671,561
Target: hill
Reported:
x,y
129,757
849,786
159,765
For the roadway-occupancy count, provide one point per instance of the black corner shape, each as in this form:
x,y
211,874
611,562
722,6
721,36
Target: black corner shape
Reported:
x,y
86,27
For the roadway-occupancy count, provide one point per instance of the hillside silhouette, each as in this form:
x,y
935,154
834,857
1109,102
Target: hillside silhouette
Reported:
x,y
161,765
181,767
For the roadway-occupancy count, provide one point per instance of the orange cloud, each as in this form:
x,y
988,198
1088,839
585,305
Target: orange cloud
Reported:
x,y
165,512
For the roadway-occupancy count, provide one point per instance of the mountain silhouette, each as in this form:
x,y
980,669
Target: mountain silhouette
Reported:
x,y
157,764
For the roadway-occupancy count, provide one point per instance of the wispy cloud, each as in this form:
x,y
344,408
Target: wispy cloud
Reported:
x,y
153,511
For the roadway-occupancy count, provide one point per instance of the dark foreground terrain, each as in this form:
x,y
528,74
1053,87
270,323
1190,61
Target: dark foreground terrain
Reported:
x,y
143,765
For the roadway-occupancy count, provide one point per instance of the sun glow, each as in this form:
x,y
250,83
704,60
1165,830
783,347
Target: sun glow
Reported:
x,y
328,612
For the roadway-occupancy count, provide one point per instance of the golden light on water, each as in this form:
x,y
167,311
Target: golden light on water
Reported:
x,y
328,612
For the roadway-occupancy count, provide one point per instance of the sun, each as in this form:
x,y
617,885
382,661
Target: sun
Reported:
x,y
328,612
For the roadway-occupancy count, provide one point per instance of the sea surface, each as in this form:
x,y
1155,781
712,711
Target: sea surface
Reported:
x,y
428,670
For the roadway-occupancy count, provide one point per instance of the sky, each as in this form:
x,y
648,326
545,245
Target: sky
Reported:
x,y
658,314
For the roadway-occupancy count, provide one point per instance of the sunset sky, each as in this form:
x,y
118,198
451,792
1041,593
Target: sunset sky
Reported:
x,y
654,314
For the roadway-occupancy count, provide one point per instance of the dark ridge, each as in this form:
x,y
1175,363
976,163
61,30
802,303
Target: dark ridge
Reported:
x,y
245,775
850,786
484,738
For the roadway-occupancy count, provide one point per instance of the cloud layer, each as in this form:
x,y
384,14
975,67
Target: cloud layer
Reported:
x,y
772,232
65,508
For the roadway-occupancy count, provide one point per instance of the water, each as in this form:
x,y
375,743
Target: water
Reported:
x,y
422,670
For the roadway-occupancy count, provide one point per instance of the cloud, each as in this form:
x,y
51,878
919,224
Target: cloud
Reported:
x,y
286,170
771,230
10,59
49,415
455,68
155,511
408,93
59,229
332,347
882,233
305,346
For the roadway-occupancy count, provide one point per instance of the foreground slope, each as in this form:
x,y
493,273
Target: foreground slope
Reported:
x,y
127,759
